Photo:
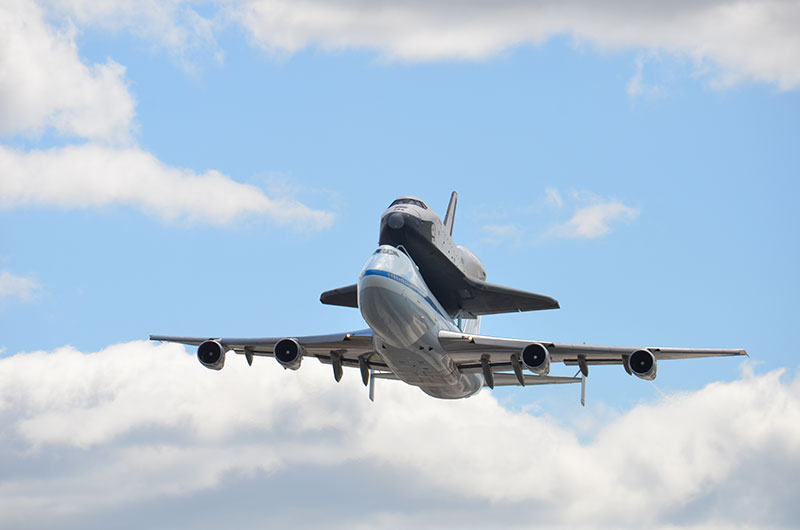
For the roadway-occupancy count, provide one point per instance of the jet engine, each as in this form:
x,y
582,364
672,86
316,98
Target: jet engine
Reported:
x,y
642,364
211,354
536,358
289,353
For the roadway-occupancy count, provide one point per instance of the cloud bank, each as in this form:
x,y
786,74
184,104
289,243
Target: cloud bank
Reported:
x,y
730,41
151,421
739,40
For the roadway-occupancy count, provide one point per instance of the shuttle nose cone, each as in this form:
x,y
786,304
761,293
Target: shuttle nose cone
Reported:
x,y
396,221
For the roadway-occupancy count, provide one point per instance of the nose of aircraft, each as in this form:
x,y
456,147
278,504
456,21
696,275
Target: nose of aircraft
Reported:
x,y
396,220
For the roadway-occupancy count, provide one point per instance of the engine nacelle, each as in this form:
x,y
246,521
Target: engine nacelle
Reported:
x,y
642,364
288,353
211,354
536,358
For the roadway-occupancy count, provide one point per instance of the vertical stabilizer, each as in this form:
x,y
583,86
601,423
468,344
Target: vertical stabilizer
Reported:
x,y
451,212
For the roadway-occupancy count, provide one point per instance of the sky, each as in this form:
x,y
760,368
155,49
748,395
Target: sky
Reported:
x,y
209,168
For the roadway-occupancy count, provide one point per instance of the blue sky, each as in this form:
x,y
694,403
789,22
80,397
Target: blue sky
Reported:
x,y
209,169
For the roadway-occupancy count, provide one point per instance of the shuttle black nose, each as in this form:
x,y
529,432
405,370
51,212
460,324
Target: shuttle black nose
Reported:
x,y
396,220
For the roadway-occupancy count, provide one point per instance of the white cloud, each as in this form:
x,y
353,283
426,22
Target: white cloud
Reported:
x,y
172,24
44,84
637,87
755,40
553,198
14,286
89,176
594,221
593,218
732,40
506,232
150,420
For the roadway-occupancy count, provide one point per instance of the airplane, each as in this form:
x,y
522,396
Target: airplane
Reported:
x,y
423,297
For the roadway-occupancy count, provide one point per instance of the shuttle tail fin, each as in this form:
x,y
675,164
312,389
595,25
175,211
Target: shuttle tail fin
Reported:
x,y
450,216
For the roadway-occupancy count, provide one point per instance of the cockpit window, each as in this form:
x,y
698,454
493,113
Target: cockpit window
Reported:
x,y
415,202
385,251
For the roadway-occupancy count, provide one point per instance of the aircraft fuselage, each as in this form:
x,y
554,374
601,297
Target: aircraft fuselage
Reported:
x,y
406,319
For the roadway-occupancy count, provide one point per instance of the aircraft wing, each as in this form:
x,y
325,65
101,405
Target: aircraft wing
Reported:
x,y
467,351
348,346
477,297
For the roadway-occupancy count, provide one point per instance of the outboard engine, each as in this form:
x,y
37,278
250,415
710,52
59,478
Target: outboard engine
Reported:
x,y
642,364
536,358
211,354
289,353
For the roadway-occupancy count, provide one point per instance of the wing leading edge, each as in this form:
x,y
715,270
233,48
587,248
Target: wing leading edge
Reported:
x,y
353,348
464,348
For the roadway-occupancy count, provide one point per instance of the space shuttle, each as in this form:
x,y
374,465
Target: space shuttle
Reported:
x,y
453,273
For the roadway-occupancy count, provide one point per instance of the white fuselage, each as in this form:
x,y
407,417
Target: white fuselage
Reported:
x,y
406,319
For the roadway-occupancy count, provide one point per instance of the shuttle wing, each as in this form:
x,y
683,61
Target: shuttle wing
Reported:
x,y
470,296
481,298
348,346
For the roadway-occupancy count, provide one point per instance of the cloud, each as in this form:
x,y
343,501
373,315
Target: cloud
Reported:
x,y
91,176
46,85
636,86
753,40
594,221
150,420
553,198
505,232
593,218
171,24
12,286
730,41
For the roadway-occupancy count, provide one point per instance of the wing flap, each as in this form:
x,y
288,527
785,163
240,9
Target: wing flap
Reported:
x,y
504,379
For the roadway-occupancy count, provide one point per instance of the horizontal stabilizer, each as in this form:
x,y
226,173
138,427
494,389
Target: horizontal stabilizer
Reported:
x,y
344,296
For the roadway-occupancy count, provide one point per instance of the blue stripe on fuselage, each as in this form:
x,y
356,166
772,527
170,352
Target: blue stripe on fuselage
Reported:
x,y
404,281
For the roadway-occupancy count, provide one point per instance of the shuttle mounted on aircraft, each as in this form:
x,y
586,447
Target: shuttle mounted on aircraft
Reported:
x,y
423,297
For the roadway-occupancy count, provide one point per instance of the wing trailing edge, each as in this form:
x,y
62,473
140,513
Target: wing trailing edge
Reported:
x,y
477,297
